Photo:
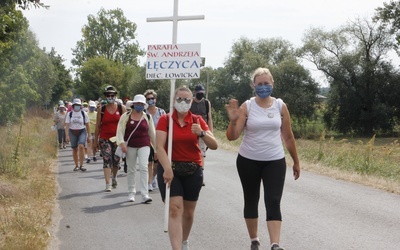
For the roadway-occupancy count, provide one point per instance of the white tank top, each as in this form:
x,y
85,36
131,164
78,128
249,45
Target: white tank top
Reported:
x,y
262,133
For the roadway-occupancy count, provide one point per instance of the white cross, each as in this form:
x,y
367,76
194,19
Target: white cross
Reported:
x,y
175,19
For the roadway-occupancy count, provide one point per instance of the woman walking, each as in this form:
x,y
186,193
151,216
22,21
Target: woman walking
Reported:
x,y
106,127
59,119
78,131
185,175
135,135
265,121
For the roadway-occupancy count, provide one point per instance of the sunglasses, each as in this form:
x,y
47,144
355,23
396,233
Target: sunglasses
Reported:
x,y
180,99
110,95
150,98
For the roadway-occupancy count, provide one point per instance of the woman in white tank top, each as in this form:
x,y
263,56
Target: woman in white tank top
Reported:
x,y
265,122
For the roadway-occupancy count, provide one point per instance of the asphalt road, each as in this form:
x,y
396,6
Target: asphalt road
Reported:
x,y
318,212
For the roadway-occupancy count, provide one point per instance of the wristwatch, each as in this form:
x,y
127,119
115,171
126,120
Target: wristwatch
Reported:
x,y
203,133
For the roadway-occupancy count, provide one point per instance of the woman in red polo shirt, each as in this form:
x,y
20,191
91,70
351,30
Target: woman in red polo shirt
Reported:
x,y
185,176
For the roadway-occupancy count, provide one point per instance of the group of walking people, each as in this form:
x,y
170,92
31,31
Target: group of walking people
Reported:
x,y
140,136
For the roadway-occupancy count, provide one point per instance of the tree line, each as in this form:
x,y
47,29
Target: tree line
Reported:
x,y
364,84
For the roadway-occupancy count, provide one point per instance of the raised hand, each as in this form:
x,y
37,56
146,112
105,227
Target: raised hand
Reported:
x,y
233,110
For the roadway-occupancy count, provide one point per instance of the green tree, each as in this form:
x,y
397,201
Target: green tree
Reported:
x,y
389,15
97,73
293,83
17,47
110,35
363,84
62,89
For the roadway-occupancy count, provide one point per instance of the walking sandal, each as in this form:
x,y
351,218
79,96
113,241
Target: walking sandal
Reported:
x,y
82,168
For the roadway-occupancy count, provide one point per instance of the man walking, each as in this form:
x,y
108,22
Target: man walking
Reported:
x,y
202,106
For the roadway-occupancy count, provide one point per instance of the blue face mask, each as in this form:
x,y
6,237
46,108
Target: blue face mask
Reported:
x,y
77,108
138,108
151,102
92,109
263,91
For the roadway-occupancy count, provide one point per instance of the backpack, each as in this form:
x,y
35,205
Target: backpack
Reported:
x,y
83,115
207,108
103,109
207,104
160,111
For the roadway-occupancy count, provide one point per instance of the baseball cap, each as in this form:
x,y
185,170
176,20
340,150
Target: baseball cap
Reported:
x,y
199,89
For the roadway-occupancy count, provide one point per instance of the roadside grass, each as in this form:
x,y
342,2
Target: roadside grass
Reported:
x,y
27,182
368,161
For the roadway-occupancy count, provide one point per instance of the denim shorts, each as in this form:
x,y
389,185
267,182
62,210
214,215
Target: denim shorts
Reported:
x,y
75,140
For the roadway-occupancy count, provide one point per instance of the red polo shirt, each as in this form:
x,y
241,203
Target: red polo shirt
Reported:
x,y
185,144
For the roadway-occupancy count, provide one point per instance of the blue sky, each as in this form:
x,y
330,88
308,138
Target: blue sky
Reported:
x,y
225,21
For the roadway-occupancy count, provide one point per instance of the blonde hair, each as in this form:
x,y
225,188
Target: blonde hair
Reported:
x,y
261,71
150,92
183,88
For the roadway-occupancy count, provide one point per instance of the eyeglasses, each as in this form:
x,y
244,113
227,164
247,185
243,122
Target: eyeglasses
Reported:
x,y
150,98
180,99
110,95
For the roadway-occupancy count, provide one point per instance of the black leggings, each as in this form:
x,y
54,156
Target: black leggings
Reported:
x,y
272,174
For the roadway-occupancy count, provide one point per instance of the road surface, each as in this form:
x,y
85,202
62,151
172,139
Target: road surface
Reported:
x,y
318,212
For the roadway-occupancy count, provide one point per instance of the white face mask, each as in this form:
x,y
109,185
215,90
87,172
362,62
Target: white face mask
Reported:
x,y
110,99
182,107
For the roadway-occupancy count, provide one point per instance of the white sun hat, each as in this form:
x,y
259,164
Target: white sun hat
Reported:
x,y
140,99
77,101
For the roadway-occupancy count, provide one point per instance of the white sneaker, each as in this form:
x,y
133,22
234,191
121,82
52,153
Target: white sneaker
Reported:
x,y
150,187
131,197
154,183
185,245
146,199
108,188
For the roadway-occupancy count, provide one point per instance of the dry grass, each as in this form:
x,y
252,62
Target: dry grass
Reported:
x,y
27,183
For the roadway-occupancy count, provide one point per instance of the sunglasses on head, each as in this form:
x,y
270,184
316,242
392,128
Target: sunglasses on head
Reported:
x,y
150,98
180,99
109,95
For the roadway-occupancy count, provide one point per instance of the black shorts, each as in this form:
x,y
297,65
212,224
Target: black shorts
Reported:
x,y
186,186
151,155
